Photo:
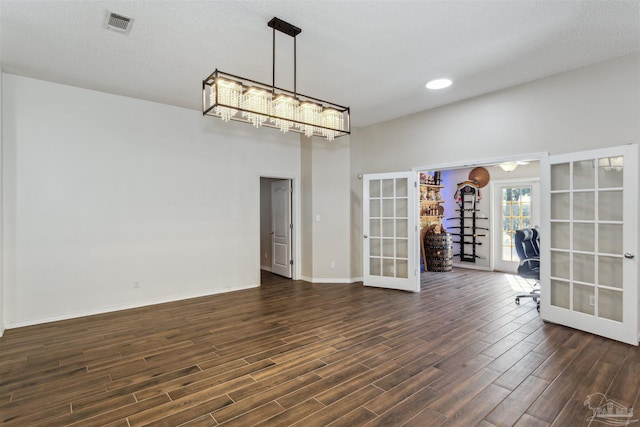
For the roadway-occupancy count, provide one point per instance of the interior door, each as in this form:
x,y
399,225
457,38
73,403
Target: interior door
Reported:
x,y
390,212
281,226
589,269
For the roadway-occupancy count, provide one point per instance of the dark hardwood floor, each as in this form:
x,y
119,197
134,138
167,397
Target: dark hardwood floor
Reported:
x,y
459,353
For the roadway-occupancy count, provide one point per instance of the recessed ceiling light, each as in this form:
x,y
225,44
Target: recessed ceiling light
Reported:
x,y
438,84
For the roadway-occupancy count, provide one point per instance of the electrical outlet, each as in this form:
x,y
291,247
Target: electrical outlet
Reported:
x,y
136,285
266,255
332,264
592,300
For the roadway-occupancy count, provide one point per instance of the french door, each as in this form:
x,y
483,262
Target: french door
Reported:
x,y
589,268
390,212
516,206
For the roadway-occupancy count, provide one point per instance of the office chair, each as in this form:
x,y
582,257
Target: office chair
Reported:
x,y
527,244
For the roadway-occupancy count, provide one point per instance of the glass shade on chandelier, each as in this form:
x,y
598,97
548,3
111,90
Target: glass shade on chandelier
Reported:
x,y
310,117
332,119
229,93
256,105
285,107
235,98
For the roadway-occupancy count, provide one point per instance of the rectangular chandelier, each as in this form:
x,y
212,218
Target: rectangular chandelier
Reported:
x,y
232,97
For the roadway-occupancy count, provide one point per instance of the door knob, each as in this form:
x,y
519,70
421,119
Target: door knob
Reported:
x,y
365,236
629,255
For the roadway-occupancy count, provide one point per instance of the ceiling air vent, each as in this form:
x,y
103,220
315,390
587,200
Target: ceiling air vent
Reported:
x,y
116,22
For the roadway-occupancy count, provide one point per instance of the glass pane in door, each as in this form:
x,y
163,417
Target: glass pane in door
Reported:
x,y
610,205
584,298
610,172
583,174
610,271
560,177
610,304
584,237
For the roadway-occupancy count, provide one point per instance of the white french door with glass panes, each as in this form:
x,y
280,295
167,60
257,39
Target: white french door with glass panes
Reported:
x,y
389,248
589,242
516,205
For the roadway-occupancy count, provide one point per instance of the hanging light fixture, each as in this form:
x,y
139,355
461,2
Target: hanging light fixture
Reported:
x,y
511,166
231,97
508,166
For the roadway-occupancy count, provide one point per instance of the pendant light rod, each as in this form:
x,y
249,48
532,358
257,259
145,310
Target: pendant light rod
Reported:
x,y
290,30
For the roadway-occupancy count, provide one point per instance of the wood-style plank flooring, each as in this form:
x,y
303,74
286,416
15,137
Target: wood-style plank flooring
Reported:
x,y
460,353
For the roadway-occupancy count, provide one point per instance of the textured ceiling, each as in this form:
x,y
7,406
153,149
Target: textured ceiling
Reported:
x,y
374,56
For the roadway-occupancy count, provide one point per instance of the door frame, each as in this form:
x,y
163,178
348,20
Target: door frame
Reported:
x,y
538,156
296,234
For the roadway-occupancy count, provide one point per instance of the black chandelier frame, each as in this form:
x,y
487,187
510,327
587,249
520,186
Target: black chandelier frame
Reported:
x,y
208,88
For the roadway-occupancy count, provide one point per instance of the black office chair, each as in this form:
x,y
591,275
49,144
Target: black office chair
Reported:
x,y
527,244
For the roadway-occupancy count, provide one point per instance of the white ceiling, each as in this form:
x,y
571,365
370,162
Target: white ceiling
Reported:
x,y
374,56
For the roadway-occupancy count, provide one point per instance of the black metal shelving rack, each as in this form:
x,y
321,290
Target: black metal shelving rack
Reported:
x,y
468,220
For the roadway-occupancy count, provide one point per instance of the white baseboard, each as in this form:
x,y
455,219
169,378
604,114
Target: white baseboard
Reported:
x,y
327,280
109,309
266,268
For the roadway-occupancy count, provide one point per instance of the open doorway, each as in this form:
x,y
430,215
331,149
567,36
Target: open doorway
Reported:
x,y
484,242
504,201
393,210
276,227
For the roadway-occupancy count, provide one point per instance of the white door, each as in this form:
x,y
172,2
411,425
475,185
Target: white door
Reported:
x,y
281,226
390,212
516,204
589,268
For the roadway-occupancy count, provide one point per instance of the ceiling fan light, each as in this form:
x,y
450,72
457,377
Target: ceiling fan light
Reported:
x,y
508,166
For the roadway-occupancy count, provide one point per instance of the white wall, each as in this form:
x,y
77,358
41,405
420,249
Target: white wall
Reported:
x,y
596,106
306,208
1,216
327,215
103,191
